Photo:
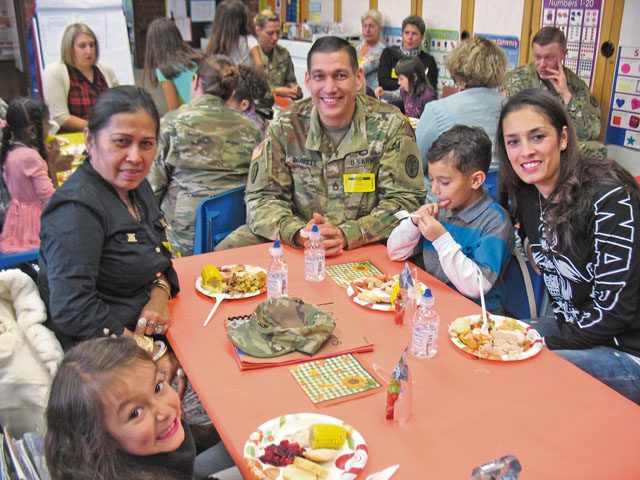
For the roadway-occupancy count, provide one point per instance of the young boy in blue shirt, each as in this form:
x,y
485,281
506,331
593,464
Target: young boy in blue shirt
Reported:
x,y
466,229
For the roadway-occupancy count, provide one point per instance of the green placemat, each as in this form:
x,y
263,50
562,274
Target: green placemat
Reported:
x,y
345,273
334,379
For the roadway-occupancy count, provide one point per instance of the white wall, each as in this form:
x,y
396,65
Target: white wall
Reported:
x,y
499,17
351,11
629,37
435,16
394,11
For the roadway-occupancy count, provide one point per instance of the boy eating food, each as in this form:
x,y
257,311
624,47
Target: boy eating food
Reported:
x,y
466,229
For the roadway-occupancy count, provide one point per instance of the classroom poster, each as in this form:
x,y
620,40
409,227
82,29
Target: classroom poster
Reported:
x,y
392,36
624,112
510,45
440,43
580,22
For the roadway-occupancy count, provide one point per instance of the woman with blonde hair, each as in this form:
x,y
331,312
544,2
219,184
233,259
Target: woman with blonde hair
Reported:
x,y
371,47
229,33
478,68
71,85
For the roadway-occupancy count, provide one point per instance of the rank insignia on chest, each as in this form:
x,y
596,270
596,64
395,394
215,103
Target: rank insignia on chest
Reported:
x,y
131,238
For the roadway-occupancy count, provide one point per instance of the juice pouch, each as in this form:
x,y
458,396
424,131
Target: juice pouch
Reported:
x,y
399,395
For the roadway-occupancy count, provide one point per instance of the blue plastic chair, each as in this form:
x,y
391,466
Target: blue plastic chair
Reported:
x,y
217,217
525,292
8,260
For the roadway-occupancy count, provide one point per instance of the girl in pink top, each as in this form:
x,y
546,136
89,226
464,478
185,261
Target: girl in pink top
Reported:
x,y
26,173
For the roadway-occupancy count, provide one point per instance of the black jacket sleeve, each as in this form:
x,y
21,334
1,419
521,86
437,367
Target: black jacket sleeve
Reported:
x,y
388,61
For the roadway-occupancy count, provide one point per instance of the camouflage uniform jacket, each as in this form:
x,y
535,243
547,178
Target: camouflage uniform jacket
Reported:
x,y
204,150
583,107
296,171
278,67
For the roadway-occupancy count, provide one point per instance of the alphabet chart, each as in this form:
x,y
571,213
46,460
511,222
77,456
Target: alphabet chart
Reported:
x,y
624,112
580,22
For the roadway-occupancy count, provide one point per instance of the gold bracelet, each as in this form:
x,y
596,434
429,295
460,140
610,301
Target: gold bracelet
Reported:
x,y
163,284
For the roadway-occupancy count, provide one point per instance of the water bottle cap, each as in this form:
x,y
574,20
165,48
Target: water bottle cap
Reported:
x,y
427,293
315,229
276,244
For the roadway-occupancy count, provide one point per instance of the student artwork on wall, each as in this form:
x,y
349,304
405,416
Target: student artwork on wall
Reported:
x,y
624,112
510,45
440,43
580,22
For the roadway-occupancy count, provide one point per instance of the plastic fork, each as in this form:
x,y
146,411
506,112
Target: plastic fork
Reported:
x,y
384,474
218,297
402,214
485,321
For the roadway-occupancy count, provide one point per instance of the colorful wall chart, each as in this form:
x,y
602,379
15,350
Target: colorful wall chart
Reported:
x,y
510,45
440,43
624,112
580,22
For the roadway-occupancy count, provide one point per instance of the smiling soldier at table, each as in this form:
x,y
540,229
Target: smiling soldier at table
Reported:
x,y
340,160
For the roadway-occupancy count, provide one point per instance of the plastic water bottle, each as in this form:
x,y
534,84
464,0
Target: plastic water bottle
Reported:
x,y
277,273
314,269
424,337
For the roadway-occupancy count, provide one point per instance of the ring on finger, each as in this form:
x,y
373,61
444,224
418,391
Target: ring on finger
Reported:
x,y
180,373
142,322
159,328
151,324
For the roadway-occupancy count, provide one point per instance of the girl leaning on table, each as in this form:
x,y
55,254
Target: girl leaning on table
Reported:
x,y
28,167
105,266
579,216
112,414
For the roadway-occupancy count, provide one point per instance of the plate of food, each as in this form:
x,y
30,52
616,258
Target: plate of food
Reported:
x,y
305,446
235,281
508,340
376,291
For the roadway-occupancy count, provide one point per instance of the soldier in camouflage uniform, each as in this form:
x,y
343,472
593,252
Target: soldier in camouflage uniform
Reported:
x,y
548,73
275,60
204,150
340,160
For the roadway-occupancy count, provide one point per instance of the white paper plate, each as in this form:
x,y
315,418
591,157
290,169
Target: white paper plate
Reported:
x,y
531,334
350,462
251,268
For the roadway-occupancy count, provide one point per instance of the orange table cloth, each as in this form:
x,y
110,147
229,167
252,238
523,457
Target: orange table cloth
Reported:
x,y
559,421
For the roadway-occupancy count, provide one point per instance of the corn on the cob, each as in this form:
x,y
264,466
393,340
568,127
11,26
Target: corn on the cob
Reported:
x,y
327,436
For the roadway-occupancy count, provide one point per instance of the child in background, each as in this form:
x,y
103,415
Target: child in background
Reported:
x,y
170,61
415,90
111,414
252,87
29,172
466,229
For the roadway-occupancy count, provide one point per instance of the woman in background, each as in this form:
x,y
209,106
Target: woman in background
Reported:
x,y
204,150
251,88
229,33
413,29
579,218
170,61
72,85
478,68
371,47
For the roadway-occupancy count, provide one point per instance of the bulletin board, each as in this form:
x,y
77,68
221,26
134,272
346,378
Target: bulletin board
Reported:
x,y
510,45
440,43
104,17
580,23
624,112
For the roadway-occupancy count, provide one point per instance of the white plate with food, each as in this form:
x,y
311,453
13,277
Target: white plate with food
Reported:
x,y
508,340
305,446
234,281
375,291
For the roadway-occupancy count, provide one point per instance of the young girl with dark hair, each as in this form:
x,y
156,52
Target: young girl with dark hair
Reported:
x,y
112,414
230,34
170,61
415,90
579,217
252,87
29,172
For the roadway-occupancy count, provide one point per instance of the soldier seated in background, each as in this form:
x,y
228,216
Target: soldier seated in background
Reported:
x,y
548,73
340,160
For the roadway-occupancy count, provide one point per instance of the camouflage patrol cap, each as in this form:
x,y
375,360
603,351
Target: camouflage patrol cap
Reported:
x,y
282,325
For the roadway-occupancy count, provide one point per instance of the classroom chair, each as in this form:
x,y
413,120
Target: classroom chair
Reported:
x,y
525,292
8,260
217,217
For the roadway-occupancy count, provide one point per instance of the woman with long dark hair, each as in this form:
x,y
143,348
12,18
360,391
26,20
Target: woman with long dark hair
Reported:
x,y
229,33
579,218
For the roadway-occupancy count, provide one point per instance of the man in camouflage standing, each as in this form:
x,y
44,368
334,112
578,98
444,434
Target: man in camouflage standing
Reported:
x,y
204,150
547,72
342,161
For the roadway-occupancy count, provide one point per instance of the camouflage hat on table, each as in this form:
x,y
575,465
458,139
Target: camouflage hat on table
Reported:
x,y
282,325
